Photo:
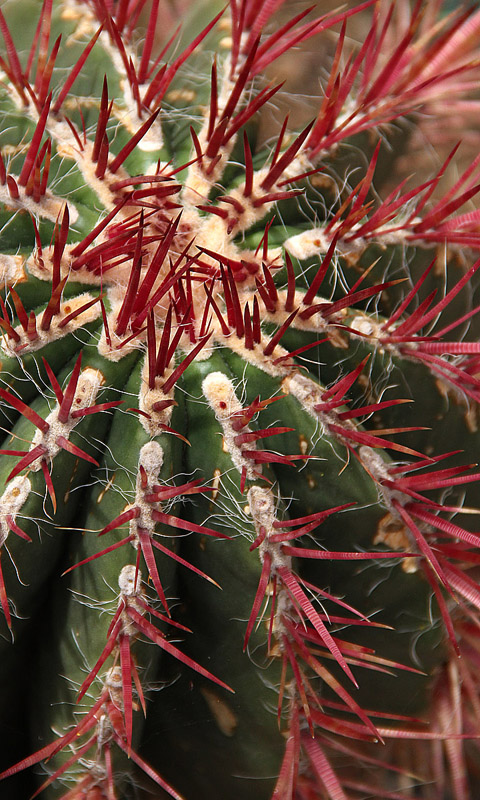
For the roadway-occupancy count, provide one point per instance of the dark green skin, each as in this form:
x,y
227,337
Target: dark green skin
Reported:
x,y
230,762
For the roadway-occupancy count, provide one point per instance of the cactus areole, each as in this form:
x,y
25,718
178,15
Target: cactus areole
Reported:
x,y
239,389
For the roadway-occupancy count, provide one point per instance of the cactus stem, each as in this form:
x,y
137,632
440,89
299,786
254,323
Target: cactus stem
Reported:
x,y
200,294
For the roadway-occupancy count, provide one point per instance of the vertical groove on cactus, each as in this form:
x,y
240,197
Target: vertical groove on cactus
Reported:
x,y
239,396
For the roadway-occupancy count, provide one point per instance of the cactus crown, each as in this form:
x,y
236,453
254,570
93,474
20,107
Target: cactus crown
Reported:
x,y
234,357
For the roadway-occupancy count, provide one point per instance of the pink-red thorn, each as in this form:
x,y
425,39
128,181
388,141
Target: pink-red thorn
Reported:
x,y
279,142
257,331
103,116
289,301
12,187
275,197
6,324
133,282
157,637
3,171
147,550
298,351
163,51
178,371
215,144
240,82
81,145
197,145
277,169
154,86
82,246
44,30
177,522
328,309
102,160
43,18
148,43
268,457
127,149
364,437
248,332
269,283
270,347
35,144
171,71
12,525
19,80
422,543
32,455
161,360
25,410
213,101
60,241
31,331
101,553
259,595
270,304
294,589
44,83
99,407
251,109
77,312
65,444
320,275
372,408
20,309
53,306
189,566
342,386
151,350
211,301
46,170
49,484
252,436
75,72
411,294
171,279
69,394
232,302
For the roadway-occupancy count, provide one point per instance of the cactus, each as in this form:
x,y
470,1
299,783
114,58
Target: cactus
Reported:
x,y
239,398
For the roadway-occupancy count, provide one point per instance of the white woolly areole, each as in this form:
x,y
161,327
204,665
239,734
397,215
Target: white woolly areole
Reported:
x,y
89,382
11,502
378,469
147,398
363,325
307,244
113,678
48,207
11,270
262,507
308,394
56,330
126,580
220,393
151,458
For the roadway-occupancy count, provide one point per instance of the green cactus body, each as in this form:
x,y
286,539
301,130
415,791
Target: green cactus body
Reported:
x,y
239,396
